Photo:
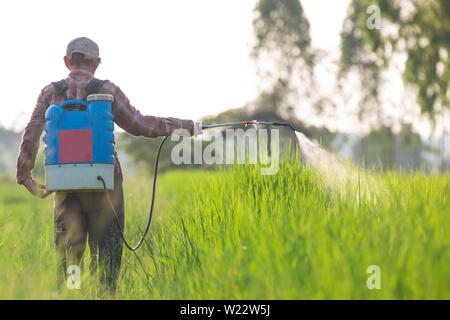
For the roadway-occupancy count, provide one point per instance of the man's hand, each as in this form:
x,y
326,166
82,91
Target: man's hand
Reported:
x,y
35,188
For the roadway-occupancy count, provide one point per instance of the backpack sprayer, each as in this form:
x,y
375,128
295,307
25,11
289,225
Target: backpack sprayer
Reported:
x,y
79,152
79,142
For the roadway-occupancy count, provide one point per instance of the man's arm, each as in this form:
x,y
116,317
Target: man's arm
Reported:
x,y
30,144
133,122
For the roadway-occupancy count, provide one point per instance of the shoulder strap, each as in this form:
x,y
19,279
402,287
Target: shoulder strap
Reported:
x,y
94,86
60,87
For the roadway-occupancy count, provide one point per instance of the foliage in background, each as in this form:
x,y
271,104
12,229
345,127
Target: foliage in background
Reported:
x,y
282,52
384,148
418,28
143,152
9,146
285,58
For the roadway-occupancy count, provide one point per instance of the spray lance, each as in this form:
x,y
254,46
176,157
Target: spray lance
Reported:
x,y
252,122
158,152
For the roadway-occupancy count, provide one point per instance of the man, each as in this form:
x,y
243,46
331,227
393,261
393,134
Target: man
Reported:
x,y
87,216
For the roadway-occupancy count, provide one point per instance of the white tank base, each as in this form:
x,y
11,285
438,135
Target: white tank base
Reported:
x,y
79,176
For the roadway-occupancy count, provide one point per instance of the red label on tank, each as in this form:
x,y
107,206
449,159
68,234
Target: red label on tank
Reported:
x,y
75,146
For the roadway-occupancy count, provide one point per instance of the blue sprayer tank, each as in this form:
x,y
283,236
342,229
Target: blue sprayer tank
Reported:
x,y
79,138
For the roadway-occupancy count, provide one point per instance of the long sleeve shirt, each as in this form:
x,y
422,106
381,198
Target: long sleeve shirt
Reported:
x,y
125,116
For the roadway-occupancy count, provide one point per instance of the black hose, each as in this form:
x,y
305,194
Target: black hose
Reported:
x,y
155,174
273,123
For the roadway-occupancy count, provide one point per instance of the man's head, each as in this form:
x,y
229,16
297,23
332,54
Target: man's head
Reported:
x,y
82,53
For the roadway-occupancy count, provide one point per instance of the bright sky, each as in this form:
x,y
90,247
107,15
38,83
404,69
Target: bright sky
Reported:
x,y
172,58
175,58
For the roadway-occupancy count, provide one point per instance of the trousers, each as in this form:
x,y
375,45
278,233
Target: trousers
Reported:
x,y
82,218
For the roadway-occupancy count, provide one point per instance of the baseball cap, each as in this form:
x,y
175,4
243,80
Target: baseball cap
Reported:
x,y
85,46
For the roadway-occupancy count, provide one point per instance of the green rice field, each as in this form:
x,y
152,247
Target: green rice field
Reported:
x,y
237,234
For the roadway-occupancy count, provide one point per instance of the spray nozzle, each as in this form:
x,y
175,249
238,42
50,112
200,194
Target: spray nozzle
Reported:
x,y
253,123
